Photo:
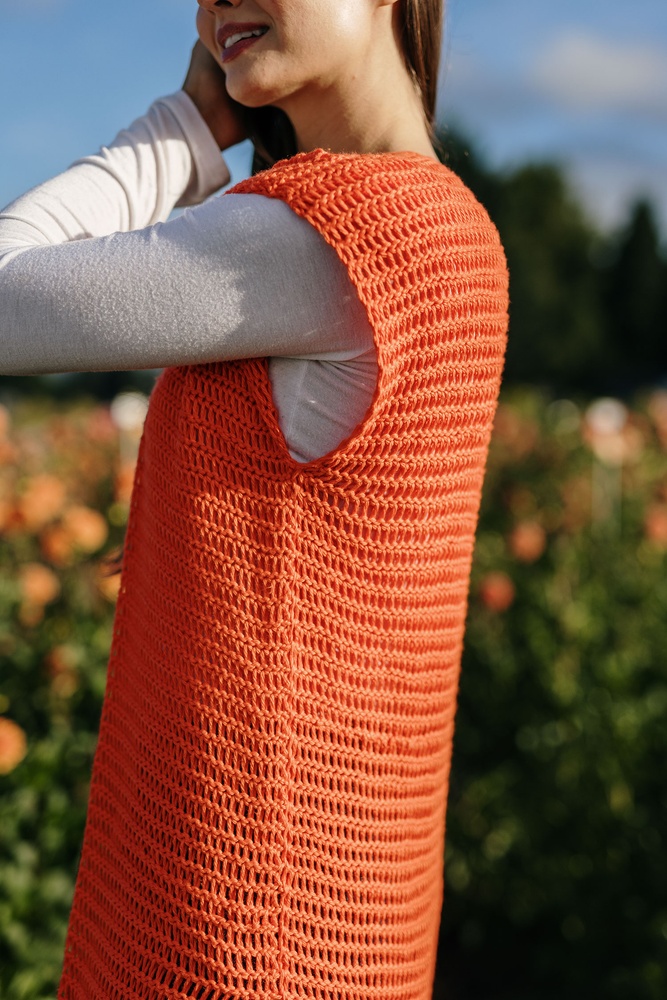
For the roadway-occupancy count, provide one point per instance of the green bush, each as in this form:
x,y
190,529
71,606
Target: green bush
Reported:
x,y
556,865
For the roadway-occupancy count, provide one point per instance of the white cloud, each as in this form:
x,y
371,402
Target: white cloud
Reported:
x,y
589,73
608,186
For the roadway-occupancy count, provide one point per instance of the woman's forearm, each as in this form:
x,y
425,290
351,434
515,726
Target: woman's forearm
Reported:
x,y
166,158
92,279
239,276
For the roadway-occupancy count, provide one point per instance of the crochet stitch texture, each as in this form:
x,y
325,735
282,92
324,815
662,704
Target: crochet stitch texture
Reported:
x,y
267,810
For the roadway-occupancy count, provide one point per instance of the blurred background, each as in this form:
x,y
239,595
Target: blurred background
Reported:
x,y
556,867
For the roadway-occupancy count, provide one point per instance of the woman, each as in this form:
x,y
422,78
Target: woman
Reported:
x,y
268,798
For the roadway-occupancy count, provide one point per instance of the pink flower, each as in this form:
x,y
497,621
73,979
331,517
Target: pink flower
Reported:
x,y
497,591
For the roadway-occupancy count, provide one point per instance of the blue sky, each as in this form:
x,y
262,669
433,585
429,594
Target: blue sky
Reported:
x,y
581,82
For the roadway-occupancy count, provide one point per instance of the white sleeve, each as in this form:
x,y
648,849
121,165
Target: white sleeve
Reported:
x,y
166,158
83,287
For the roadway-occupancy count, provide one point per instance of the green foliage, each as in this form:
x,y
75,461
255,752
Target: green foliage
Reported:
x,y
557,329
69,385
556,865
55,632
636,292
587,312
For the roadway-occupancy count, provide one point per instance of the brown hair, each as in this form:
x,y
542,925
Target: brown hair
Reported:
x,y
421,33
420,25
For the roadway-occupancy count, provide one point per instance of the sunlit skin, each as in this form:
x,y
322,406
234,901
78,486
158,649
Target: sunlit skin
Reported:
x,y
335,67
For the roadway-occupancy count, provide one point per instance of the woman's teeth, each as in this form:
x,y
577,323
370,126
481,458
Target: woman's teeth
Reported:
x,y
233,39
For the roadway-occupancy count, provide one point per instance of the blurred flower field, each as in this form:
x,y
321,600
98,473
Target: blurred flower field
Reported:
x,y
65,485
557,820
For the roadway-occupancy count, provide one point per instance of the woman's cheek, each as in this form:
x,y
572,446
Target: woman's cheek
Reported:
x,y
206,30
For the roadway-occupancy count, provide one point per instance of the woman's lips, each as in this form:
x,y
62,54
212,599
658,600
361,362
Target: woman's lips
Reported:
x,y
231,45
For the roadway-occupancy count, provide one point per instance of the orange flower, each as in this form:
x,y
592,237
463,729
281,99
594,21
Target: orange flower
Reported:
x,y
9,453
13,745
57,545
5,514
124,481
655,524
12,520
109,586
42,501
4,421
528,541
496,591
80,528
39,584
86,528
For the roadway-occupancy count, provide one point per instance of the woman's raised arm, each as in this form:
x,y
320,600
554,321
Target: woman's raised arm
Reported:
x,y
87,283
166,158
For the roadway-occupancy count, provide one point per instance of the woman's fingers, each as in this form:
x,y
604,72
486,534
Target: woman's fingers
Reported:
x,y
205,85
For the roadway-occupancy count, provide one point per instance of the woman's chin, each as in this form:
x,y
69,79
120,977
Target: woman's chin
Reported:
x,y
251,93
254,101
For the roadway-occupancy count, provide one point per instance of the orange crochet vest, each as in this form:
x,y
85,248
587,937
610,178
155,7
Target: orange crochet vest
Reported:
x,y
267,810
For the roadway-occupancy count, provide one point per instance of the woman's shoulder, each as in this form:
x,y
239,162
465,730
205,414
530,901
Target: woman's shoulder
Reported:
x,y
334,170
370,189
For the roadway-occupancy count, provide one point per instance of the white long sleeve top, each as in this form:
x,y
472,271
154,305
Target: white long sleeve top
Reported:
x,y
94,278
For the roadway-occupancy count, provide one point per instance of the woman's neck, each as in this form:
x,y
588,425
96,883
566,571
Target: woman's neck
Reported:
x,y
389,117
397,131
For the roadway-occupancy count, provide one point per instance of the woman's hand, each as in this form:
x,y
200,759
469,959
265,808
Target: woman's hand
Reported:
x,y
205,85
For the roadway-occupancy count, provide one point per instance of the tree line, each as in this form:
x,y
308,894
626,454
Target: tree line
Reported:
x,y
588,310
